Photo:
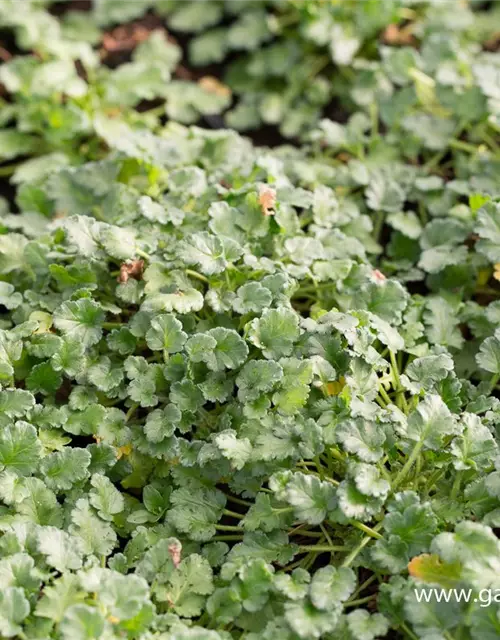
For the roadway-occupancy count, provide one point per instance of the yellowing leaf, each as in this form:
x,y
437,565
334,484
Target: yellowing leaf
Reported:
x,y
212,85
429,567
126,450
335,387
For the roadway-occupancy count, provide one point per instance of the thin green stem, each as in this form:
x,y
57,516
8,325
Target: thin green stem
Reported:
x,y
400,393
408,631
228,527
306,534
385,395
112,325
9,169
233,514
198,276
365,529
321,548
355,603
236,500
493,382
364,585
357,550
408,465
463,146
143,254
456,485
131,411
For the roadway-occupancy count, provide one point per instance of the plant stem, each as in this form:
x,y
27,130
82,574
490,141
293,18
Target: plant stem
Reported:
x,y
112,325
228,527
236,500
8,169
456,485
195,274
408,465
143,254
363,586
368,530
463,146
400,397
355,603
131,411
357,550
320,548
493,381
233,514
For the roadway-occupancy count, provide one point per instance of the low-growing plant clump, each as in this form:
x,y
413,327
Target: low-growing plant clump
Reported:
x,y
249,391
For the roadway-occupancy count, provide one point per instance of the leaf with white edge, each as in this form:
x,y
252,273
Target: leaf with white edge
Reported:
x,y
15,403
430,423
488,357
252,297
330,587
62,469
189,584
20,448
63,551
365,626
99,537
311,498
237,450
80,320
14,608
230,350
186,301
105,497
363,438
275,332
308,622
82,622
166,334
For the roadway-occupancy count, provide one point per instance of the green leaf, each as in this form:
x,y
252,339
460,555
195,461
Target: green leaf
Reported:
x,y
311,498
308,622
105,497
488,357
80,320
82,622
430,423
62,469
362,438
166,333
364,626
252,297
488,229
330,587
63,551
14,608
196,512
98,536
44,379
15,403
275,332
20,448
230,349
188,584
211,253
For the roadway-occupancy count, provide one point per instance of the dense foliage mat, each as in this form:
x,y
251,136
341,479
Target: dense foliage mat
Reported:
x,y
249,392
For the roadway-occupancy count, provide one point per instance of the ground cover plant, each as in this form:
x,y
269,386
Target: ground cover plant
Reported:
x,y
249,330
